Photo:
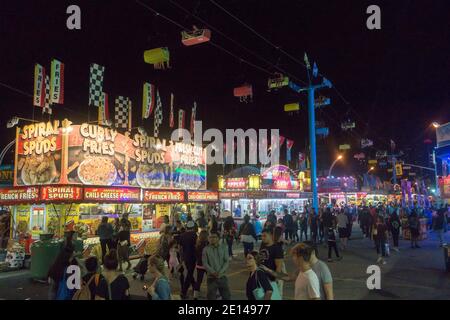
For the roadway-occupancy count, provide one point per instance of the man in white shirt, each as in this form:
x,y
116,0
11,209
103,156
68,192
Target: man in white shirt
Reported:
x,y
307,284
342,222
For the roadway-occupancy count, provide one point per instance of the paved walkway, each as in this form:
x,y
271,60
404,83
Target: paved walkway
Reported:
x,y
409,274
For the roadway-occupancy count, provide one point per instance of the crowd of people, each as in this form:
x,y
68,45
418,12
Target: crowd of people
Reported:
x,y
190,251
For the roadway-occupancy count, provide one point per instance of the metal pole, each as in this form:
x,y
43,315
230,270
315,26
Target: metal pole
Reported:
x,y
438,191
394,171
332,166
312,139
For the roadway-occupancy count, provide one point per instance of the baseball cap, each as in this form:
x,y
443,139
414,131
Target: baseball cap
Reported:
x,y
190,224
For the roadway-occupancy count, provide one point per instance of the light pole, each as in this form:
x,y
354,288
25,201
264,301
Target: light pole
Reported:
x,y
333,164
436,125
311,88
371,168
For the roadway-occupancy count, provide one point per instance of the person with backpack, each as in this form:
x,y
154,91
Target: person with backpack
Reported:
x,y
201,221
394,228
90,281
115,285
331,240
247,235
380,237
57,275
187,242
160,288
164,241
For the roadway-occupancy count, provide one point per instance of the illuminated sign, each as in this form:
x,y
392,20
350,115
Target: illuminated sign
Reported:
x,y
232,195
163,196
202,196
112,194
236,183
61,193
293,195
18,195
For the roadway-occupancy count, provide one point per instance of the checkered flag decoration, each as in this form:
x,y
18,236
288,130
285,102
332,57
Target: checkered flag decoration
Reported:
x,y
121,115
96,75
47,104
158,115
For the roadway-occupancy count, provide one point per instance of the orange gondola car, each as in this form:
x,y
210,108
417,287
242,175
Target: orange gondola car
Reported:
x,y
196,36
244,92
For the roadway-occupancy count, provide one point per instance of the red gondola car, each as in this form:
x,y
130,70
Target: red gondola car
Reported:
x,y
196,36
244,92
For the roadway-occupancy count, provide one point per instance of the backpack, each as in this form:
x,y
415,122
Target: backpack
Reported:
x,y
84,293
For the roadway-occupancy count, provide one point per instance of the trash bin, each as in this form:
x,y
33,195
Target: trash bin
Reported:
x,y
43,254
447,257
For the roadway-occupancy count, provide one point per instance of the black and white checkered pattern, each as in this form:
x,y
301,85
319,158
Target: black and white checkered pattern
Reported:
x,y
47,104
96,75
158,115
121,112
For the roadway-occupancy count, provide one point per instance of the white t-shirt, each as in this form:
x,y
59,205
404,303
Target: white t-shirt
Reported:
x,y
307,286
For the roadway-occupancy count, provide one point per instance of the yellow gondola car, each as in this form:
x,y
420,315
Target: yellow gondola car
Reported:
x,y
158,57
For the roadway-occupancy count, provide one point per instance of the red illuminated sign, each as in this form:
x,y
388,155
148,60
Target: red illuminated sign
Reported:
x,y
112,194
163,196
202,196
19,195
236,183
61,193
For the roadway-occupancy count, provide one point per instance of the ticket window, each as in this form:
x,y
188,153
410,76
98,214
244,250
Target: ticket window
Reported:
x,y
37,220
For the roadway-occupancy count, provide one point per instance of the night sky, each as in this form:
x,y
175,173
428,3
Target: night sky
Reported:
x,y
393,82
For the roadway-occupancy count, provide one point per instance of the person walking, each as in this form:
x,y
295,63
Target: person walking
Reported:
x,y
304,226
288,222
213,225
164,242
215,260
160,288
342,223
92,278
331,240
321,229
188,240
57,275
115,285
440,224
327,221
123,246
116,230
247,235
202,242
380,237
296,220
394,228
105,232
314,227
307,284
229,232
414,228
258,285
126,225
322,271
202,222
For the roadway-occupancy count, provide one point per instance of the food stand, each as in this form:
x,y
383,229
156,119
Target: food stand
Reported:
x,y
66,177
276,188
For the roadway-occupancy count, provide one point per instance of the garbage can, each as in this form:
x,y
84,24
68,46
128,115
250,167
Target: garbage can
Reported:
x,y
447,257
43,254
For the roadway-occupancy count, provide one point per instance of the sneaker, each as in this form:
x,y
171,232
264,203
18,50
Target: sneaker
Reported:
x,y
384,261
379,259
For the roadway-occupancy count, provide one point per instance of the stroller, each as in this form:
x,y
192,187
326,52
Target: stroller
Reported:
x,y
141,268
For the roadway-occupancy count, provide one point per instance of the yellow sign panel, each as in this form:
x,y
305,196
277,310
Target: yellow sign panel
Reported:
x,y
291,107
399,169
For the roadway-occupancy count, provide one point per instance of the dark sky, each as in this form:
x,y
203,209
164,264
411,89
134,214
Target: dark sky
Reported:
x,y
396,80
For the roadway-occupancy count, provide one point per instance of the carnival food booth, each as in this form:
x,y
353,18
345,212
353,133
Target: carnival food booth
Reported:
x,y
67,177
339,190
276,188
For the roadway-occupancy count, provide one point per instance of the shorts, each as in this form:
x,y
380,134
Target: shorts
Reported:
x,y
343,232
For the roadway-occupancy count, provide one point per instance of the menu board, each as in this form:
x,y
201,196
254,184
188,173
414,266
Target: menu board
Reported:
x,y
202,196
19,195
96,155
163,196
279,178
49,193
112,194
38,154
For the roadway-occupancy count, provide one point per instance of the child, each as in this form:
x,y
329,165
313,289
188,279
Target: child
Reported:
x,y
332,244
174,262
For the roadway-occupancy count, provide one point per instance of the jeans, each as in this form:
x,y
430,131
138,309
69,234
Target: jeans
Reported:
x,y
221,284
395,236
440,234
332,245
189,280
304,231
248,247
381,246
230,245
105,243
199,279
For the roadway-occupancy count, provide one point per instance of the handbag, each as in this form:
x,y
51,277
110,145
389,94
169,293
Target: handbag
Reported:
x,y
259,293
